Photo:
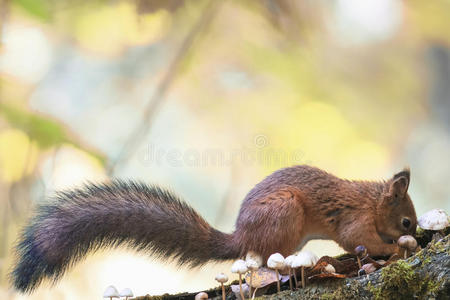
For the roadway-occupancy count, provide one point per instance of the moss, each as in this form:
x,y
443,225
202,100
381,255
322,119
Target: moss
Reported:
x,y
399,281
432,248
419,232
348,291
423,236
371,288
426,260
326,296
437,247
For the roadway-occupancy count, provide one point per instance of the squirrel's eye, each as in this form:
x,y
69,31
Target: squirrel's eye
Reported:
x,y
406,222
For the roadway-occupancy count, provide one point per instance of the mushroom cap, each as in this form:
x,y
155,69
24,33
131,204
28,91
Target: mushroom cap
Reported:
x,y
221,277
329,269
252,265
436,219
289,260
253,260
305,259
239,267
201,295
111,291
369,268
315,258
126,292
276,261
408,242
360,250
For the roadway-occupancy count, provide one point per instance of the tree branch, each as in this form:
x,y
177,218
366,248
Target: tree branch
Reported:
x,y
161,90
423,276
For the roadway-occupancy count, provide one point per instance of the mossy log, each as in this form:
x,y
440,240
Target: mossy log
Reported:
x,y
425,275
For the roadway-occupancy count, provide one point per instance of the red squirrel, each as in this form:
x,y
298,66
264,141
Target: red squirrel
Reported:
x,y
280,214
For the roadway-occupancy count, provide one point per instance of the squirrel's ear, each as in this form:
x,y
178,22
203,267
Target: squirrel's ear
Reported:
x,y
399,185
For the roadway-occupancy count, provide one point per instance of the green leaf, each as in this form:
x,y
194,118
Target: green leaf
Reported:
x,y
40,9
46,132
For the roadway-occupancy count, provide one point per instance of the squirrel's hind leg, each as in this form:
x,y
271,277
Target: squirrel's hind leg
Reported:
x,y
272,223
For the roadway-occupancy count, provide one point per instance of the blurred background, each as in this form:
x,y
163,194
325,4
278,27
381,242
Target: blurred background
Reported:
x,y
207,98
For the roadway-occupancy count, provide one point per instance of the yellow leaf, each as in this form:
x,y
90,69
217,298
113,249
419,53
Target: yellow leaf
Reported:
x,y
18,155
109,30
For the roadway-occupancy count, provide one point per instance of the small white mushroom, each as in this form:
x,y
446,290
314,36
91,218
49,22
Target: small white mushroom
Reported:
x,y
222,278
126,292
111,292
408,243
329,269
240,267
369,268
254,261
304,259
276,262
201,295
435,219
288,262
366,269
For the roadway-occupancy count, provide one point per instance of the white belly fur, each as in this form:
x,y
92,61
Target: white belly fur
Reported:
x,y
311,237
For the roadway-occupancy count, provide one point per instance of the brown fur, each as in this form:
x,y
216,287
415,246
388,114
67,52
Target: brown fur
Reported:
x,y
292,204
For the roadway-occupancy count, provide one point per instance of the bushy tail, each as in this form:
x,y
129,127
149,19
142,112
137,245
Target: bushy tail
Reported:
x,y
145,218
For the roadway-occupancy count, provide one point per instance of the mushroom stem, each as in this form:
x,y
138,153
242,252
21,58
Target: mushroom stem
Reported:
x,y
223,291
278,280
359,262
303,277
295,278
240,287
254,293
290,279
251,282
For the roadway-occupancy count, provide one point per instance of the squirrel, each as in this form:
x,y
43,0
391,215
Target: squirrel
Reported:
x,y
280,214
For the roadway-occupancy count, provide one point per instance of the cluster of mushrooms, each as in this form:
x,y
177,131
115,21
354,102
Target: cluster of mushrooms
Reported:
x,y
111,292
253,262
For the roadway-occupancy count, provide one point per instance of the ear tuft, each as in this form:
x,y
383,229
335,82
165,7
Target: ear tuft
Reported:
x,y
405,173
399,184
